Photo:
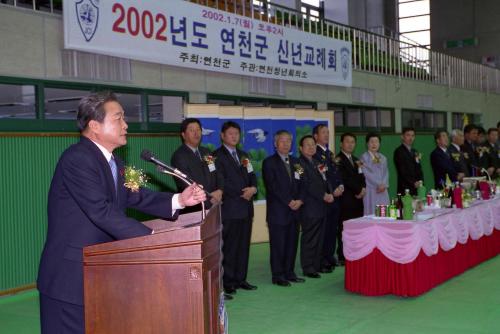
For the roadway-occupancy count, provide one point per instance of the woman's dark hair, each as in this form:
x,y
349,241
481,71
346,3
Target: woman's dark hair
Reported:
x,y
373,135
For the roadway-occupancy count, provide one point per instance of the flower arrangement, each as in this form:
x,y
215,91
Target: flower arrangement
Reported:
x,y
245,162
322,168
298,169
134,178
209,159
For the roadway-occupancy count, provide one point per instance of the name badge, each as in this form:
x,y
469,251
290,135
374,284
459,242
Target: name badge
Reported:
x,y
360,171
249,168
211,167
297,176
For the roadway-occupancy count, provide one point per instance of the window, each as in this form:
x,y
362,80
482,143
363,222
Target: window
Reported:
x,y
424,120
62,103
457,120
50,6
164,109
131,103
361,118
17,101
414,22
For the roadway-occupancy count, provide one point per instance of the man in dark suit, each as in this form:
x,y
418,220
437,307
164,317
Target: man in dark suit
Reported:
x,y
325,156
198,163
493,152
354,181
240,186
459,163
284,198
469,148
442,161
86,206
407,161
313,213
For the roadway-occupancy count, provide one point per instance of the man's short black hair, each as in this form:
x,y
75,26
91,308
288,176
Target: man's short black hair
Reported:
x,y
469,127
438,133
91,108
304,138
347,134
490,130
318,127
230,124
408,129
185,123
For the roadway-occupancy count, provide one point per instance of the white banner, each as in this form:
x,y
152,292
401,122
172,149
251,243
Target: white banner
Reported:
x,y
181,33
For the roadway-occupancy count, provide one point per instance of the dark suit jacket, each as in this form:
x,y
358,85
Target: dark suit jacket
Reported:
x,y
315,189
494,155
354,182
442,164
470,155
459,160
187,162
235,177
84,209
280,189
409,171
333,174
485,160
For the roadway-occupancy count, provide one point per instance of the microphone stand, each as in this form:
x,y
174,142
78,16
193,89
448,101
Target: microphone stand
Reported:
x,y
166,171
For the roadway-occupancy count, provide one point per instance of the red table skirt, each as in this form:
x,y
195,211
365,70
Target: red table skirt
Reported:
x,y
376,275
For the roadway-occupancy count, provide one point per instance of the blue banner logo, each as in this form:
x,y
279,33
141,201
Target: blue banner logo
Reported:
x,y
88,16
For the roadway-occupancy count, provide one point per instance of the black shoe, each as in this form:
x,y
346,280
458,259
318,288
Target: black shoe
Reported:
x,y
312,275
230,290
247,286
281,282
228,297
326,270
297,280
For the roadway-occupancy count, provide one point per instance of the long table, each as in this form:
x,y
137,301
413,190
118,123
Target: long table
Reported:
x,y
408,258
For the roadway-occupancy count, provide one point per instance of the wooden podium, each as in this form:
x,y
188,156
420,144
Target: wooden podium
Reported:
x,y
168,282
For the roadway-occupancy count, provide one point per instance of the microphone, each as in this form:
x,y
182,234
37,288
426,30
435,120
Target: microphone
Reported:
x,y
149,156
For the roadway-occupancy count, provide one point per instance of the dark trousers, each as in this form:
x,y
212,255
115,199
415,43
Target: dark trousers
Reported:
x,y
311,244
58,317
283,241
346,214
330,235
236,234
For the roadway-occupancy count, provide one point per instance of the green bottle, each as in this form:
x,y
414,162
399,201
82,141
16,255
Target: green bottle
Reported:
x,y
407,206
422,193
393,211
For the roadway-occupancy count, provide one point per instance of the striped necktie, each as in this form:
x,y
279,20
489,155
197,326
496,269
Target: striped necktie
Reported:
x,y
114,171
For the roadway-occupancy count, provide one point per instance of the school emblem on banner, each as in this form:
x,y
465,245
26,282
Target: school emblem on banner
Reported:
x,y
345,58
87,13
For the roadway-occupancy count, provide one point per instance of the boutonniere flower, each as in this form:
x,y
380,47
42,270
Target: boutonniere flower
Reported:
x,y
376,159
209,159
359,163
298,169
482,149
337,160
466,155
323,157
456,156
418,156
245,162
134,178
322,168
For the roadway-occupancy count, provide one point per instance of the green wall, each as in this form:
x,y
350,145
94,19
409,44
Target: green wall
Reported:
x,y
26,170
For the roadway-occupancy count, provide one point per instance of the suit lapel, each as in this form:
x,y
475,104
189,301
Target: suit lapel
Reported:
x,y
103,164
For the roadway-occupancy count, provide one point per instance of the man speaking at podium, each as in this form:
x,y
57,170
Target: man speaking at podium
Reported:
x,y
86,206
